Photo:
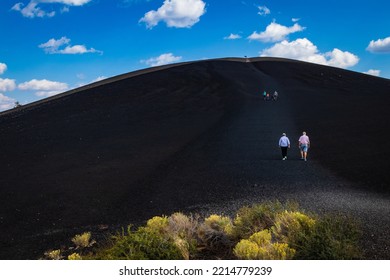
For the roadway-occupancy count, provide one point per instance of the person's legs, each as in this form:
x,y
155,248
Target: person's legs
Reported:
x,y
303,149
305,153
284,152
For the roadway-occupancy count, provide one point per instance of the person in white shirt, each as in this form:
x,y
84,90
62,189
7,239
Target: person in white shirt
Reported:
x,y
284,144
304,144
275,95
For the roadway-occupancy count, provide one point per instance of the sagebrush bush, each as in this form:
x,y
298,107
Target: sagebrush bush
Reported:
x,y
269,230
54,255
292,227
83,240
332,238
259,246
183,230
183,226
158,224
215,236
143,244
219,223
256,218
75,257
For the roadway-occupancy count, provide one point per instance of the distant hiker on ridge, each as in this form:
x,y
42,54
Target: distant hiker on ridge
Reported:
x,y
275,95
304,144
284,144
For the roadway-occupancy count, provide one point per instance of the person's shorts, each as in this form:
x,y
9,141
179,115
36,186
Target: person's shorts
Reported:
x,y
304,148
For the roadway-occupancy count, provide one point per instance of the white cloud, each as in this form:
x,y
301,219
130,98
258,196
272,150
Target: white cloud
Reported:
x,y
62,46
7,84
43,85
232,37
77,49
45,94
338,58
275,32
295,19
379,46
98,79
163,59
68,2
53,45
44,88
305,50
176,13
6,102
3,68
33,9
263,11
373,72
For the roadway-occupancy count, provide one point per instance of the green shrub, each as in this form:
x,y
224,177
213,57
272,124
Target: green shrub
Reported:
x,y
158,224
83,240
214,236
143,244
219,223
54,255
74,257
333,238
292,228
256,218
259,246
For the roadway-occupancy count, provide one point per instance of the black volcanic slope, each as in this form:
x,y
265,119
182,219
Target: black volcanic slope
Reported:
x,y
194,137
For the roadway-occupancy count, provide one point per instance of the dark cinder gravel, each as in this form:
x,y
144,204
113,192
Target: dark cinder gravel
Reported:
x,y
198,138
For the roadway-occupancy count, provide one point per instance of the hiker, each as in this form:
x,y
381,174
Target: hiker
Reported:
x,y
284,144
267,96
304,144
275,95
264,95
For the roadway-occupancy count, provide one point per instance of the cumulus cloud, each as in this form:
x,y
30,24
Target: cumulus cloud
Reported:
x,y
373,72
232,37
33,8
44,88
6,102
379,46
263,11
341,59
305,50
43,85
163,59
45,94
275,32
3,68
62,46
7,85
176,13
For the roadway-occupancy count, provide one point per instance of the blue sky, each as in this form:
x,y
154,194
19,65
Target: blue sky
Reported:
x,y
50,46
